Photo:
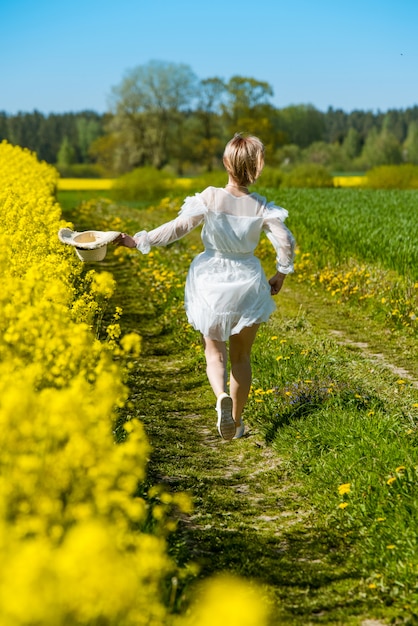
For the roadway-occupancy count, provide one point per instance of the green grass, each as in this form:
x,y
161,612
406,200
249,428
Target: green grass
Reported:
x,y
320,415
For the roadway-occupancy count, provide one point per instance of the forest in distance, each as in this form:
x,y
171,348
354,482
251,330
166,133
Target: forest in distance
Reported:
x,y
162,116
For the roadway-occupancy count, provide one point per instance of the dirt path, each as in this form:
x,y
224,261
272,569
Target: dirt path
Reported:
x,y
378,357
248,517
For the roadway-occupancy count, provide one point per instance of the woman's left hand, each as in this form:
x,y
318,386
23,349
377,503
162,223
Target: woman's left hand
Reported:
x,y
276,283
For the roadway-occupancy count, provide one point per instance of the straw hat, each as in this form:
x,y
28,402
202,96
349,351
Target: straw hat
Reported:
x,y
90,245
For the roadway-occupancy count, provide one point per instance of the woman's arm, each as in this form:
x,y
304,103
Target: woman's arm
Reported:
x,y
281,238
191,215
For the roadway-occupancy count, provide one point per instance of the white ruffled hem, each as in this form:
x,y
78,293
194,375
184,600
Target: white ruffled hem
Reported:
x,y
221,326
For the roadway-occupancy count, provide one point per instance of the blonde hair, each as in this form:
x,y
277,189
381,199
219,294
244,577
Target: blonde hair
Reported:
x,y
244,158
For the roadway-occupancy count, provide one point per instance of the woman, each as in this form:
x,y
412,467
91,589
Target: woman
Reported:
x,y
227,295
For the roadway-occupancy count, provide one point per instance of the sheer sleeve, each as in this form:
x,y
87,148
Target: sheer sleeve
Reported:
x,y
191,214
280,236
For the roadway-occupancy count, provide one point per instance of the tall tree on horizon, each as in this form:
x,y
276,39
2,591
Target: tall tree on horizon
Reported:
x,y
146,104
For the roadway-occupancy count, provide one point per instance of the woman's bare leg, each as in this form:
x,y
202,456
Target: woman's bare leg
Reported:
x,y
240,380
216,364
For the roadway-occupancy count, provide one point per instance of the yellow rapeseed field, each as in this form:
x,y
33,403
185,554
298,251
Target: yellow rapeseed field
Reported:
x,y
349,181
66,504
104,184
84,184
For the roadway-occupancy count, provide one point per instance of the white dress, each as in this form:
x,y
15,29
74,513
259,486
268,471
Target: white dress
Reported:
x,y
226,288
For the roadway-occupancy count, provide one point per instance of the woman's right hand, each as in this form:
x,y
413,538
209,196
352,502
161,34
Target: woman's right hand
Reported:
x,y
125,240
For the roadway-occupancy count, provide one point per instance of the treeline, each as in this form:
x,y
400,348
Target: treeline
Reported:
x,y
48,134
163,116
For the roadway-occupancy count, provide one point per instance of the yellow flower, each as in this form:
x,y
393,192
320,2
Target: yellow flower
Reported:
x,y
343,505
244,605
345,488
391,546
372,586
400,468
391,480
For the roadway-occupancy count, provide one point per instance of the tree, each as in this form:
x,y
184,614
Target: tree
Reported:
x,y
329,155
381,149
245,97
352,144
209,145
303,124
3,125
411,143
66,154
146,103
88,130
104,152
335,122
394,123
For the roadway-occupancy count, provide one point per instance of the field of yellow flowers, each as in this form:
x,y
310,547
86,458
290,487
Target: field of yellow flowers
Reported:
x,y
68,554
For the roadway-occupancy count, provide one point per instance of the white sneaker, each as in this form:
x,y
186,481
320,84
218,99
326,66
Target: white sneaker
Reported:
x,y
226,424
240,430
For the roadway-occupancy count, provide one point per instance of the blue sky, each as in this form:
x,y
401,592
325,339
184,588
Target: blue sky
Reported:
x,y
66,56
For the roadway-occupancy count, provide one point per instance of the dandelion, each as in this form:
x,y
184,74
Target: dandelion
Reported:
x,y
391,546
345,488
372,586
400,468
343,505
391,480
